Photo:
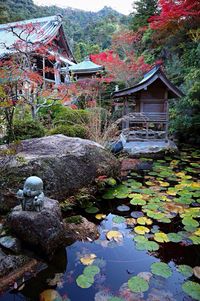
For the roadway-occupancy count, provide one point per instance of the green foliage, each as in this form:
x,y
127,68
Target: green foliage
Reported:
x,y
69,130
68,116
27,129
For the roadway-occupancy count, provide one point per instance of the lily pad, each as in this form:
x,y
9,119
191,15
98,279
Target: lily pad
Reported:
x,y
91,271
137,214
192,289
141,230
161,269
84,281
115,235
174,237
88,259
195,239
100,216
187,221
131,221
118,219
185,270
123,208
196,271
91,210
137,284
161,237
144,221
136,202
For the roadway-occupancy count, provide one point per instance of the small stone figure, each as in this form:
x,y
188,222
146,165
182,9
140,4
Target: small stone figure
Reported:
x,y
32,196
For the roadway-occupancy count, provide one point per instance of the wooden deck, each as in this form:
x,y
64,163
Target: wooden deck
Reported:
x,y
145,126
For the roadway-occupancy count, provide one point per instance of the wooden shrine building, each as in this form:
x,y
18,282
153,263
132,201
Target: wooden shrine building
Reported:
x,y
145,106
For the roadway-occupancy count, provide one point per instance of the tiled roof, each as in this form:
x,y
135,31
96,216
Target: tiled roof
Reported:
x,y
86,66
44,30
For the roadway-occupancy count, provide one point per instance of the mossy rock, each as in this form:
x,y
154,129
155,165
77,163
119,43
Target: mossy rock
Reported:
x,y
76,219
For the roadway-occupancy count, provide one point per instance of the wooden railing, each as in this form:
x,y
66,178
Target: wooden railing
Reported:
x,y
146,117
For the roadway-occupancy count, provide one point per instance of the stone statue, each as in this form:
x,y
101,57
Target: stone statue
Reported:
x,y
32,196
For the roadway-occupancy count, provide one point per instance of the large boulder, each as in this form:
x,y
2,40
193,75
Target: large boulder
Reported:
x,y
43,230
65,165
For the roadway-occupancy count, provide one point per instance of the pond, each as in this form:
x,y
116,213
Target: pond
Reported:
x,y
148,248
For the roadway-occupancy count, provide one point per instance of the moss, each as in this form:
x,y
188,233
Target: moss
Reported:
x,y
76,219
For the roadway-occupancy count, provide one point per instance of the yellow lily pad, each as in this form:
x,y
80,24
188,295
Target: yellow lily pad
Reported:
x,y
88,259
115,235
161,237
144,221
197,232
100,216
164,184
141,230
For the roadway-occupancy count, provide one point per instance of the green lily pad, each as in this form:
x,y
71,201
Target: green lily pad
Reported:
x,y
118,219
91,270
110,194
192,289
195,239
174,237
161,269
147,246
84,281
138,285
92,210
188,221
185,270
137,202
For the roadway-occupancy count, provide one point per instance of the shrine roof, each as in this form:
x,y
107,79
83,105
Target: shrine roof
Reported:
x,y
148,79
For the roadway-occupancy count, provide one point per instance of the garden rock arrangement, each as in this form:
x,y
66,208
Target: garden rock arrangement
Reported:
x,y
43,230
65,164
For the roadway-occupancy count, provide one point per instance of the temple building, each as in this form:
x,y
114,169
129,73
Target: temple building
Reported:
x,y
145,108
32,36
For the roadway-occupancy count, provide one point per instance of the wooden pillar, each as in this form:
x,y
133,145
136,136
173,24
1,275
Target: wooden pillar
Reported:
x,y
167,116
43,72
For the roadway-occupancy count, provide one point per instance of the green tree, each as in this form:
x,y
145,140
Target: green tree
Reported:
x,y
143,9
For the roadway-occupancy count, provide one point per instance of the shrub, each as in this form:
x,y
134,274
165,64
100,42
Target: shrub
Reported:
x,y
71,117
27,129
69,130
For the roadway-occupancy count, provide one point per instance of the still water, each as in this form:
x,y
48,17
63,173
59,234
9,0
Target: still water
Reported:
x,y
168,197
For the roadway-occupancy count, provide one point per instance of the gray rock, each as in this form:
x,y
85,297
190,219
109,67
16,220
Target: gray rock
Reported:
x,y
43,230
151,148
10,243
9,263
64,164
84,230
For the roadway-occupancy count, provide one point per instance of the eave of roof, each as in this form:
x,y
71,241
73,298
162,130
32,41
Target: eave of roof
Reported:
x,y
85,67
48,29
147,80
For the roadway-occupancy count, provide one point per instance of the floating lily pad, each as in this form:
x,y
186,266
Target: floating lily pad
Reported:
x,y
115,235
88,259
118,219
137,214
192,289
100,216
137,284
115,299
123,208
195,239
84,281
161,269
161,237
136,202
141,230
196,271
174,237
91,271
91,210
187,221
131,221
185,270
147,246
144,221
